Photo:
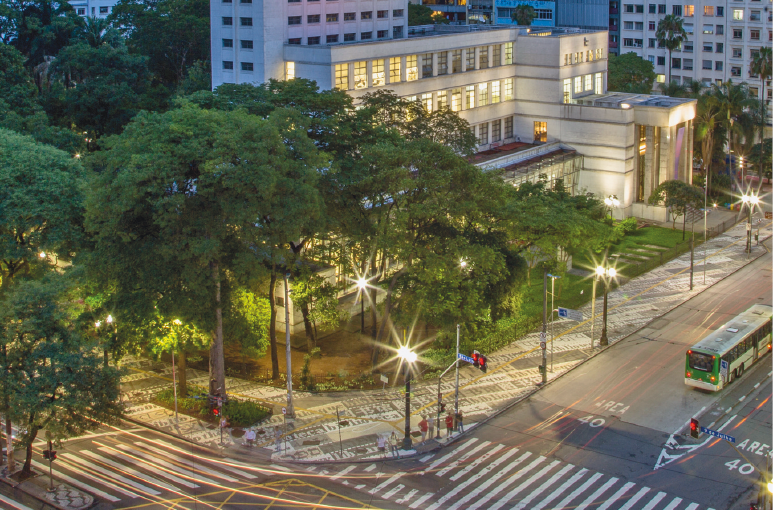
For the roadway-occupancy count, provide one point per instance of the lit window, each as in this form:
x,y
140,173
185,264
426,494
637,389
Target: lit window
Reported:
x,y
456,100
289,70
482,94
361,75
508,53
567,91
540,131
342,76
442,99
588,82
379,77
411,68
494,92
426,101
708,10
738,14
508,89
689,11
599,89
470,97
578,85
394,70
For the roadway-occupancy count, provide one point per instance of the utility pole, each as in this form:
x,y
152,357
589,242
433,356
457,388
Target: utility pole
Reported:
x,y
593,309
456,390
290,408
544,334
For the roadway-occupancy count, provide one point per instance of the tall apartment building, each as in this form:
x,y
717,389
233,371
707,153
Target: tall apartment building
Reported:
x,y
723,38
515,86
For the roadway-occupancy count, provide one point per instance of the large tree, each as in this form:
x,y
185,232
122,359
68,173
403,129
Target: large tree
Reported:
x,y
630,73
678,197
524,14
670,34
761,65
40,28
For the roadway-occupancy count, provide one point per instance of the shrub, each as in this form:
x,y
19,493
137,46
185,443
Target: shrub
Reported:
x,y
244,413
626,226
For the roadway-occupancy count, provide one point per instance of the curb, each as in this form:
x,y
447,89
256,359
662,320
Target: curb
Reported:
x,y
18,486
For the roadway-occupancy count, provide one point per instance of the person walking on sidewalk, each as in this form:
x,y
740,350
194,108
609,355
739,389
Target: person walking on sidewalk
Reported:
x,y
431,426
423,427
381,444
449,424
393,442
460,421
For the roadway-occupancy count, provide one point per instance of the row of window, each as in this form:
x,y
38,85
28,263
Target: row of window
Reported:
x,y
334,38
228,65
245,44
333,17
579,57
102,10
506,12
469,97
583,84
492,132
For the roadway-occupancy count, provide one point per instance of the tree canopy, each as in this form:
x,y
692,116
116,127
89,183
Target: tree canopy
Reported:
x,y
630,73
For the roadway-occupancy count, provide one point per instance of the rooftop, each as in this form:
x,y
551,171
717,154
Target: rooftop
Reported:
x,y
625,100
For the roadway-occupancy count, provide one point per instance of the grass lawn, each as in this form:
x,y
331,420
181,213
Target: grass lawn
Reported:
x,y
571,291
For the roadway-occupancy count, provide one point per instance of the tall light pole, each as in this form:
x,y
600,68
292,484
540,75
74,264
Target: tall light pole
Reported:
x,y
552,309
606,273
98,324
593,309
409,357
288,356
750,200
362,284
543,336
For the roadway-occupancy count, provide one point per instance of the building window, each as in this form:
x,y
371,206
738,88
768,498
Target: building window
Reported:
x,y
366,15
456,61
707,65
331,39
289,70
470,59
578,85
482,94
708,47
640,9
628,25
293,20
689,11
496,55
332,17
342,76
720,47
361,75
754,34
599,89
676,10
483,58
469,95
676,63
247,66
737,52
708,29
350,16
508,53
687,47
102,10
350,37
364,36
688,27
588,82
426,65
738,14
737,33
245,22
483,133
508,127
567,91
456,100
735,71
628,8
754,16
495,92
312,41
508,89
312,18
294,40
442,100
81,11
382,34
496,130
382,14
661,8
442,63
411,68
720,11
394,70
228,65
246,44
228,43
708,10
397,32
540,132
720,29
687,64
652,8
718,65
379,76
397,13
544,13
227,21
651,58
651,26
426,101
661,61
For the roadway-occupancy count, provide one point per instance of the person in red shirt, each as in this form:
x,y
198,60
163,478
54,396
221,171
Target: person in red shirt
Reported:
x,y
423,427
449,424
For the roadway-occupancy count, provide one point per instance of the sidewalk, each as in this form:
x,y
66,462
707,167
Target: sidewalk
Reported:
x,y
313,436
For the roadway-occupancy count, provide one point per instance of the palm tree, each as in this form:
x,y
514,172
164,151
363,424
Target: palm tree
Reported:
x,y
670,33
98,31
524,14
706,123
737,111
674,89
694,89
761,65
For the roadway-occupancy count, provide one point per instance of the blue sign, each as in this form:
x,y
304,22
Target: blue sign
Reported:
x,y
563,312
720,435
568,313
465,358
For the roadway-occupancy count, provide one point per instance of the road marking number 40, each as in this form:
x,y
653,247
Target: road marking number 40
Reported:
x,y
592,421
745,469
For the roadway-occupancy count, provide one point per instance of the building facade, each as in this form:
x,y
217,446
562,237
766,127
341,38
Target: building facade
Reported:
x,y
93,8
723,39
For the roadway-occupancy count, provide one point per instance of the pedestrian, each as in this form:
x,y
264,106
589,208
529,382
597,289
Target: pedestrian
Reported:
x,y
249,438
460,421
449,424
278,439
431,426
423,427
381,444
393,442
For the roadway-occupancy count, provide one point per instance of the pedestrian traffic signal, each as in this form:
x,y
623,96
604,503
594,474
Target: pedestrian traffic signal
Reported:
x,y
216,411
49,455
695,428
479,361
442,407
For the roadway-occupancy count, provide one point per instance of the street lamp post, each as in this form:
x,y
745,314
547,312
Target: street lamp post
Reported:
x,y
97,325
362,284
288,355
605,273
749,201
593,309
409,357
552,310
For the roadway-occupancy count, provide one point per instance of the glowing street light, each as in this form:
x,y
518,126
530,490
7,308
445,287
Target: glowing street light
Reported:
x,y
750,200
606,274
409,357
612,203
362,284
42,254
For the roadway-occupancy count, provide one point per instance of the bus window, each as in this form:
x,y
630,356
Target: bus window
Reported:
x,y
702,362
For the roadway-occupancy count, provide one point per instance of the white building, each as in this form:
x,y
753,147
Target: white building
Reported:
x,y
545,87
93,8
723,38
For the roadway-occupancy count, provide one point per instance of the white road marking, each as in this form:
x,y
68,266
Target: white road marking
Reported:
x,y
152,469
617,495
488,483
418,502
85,486
692,506
502,486
525,485
220,465
655,501
11,502
370,468
127,469
635,498
407,497
742,398
281,468
178,469
477,462
673,504
238,471
194,464
426,457
593,497
542,488
579,490
109,474
453,452
461,459
358,487
385,483
343,472
394,491
556,493
757,385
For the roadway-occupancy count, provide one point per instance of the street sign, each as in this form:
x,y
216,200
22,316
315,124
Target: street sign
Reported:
x,y
465,358
543,337
284,410
384,379
720,435
723,366
572,315
543,345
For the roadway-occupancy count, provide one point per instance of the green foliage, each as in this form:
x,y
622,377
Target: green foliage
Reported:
x,y
670,35
524,14
630,73
419,14
40,29
626,226
247,322
198,78
238,413
244,413
307,381
760,157
186,405
98,31
677,196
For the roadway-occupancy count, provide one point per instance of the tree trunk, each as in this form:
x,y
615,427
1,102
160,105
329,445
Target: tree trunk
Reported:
x,y
310,340
27,469
8,427
684,223
668,67
182,378
216,353
272,325
385,317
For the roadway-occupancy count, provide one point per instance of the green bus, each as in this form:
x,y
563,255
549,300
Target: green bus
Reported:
x,y
726,353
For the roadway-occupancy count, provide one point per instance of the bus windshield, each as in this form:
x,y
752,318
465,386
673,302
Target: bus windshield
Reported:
x,y
699,361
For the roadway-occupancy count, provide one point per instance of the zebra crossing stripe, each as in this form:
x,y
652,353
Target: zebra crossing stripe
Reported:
x,y
370,468
475,464
619,494
485,485
655,501
183,471
343,472
461,459
692,506
453,452
635,499
556,493
109,474
407,497
579,490
593,497
198,459
127,469
13,503
422,499
426,457
673,504
525,485
84,486
385,483
542,488
397,488
188,462
152,469
241,472
517,476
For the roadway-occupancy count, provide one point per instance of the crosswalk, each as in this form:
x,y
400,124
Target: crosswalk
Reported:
x,y
477,474
121,471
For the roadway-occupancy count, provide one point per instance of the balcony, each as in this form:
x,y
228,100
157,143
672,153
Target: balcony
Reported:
x,y
612,44
613,28
613,10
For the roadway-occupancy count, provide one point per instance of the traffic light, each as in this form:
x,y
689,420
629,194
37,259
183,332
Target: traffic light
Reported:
x,y
45,454
49,455
695,428
479,361
475,356
216,411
